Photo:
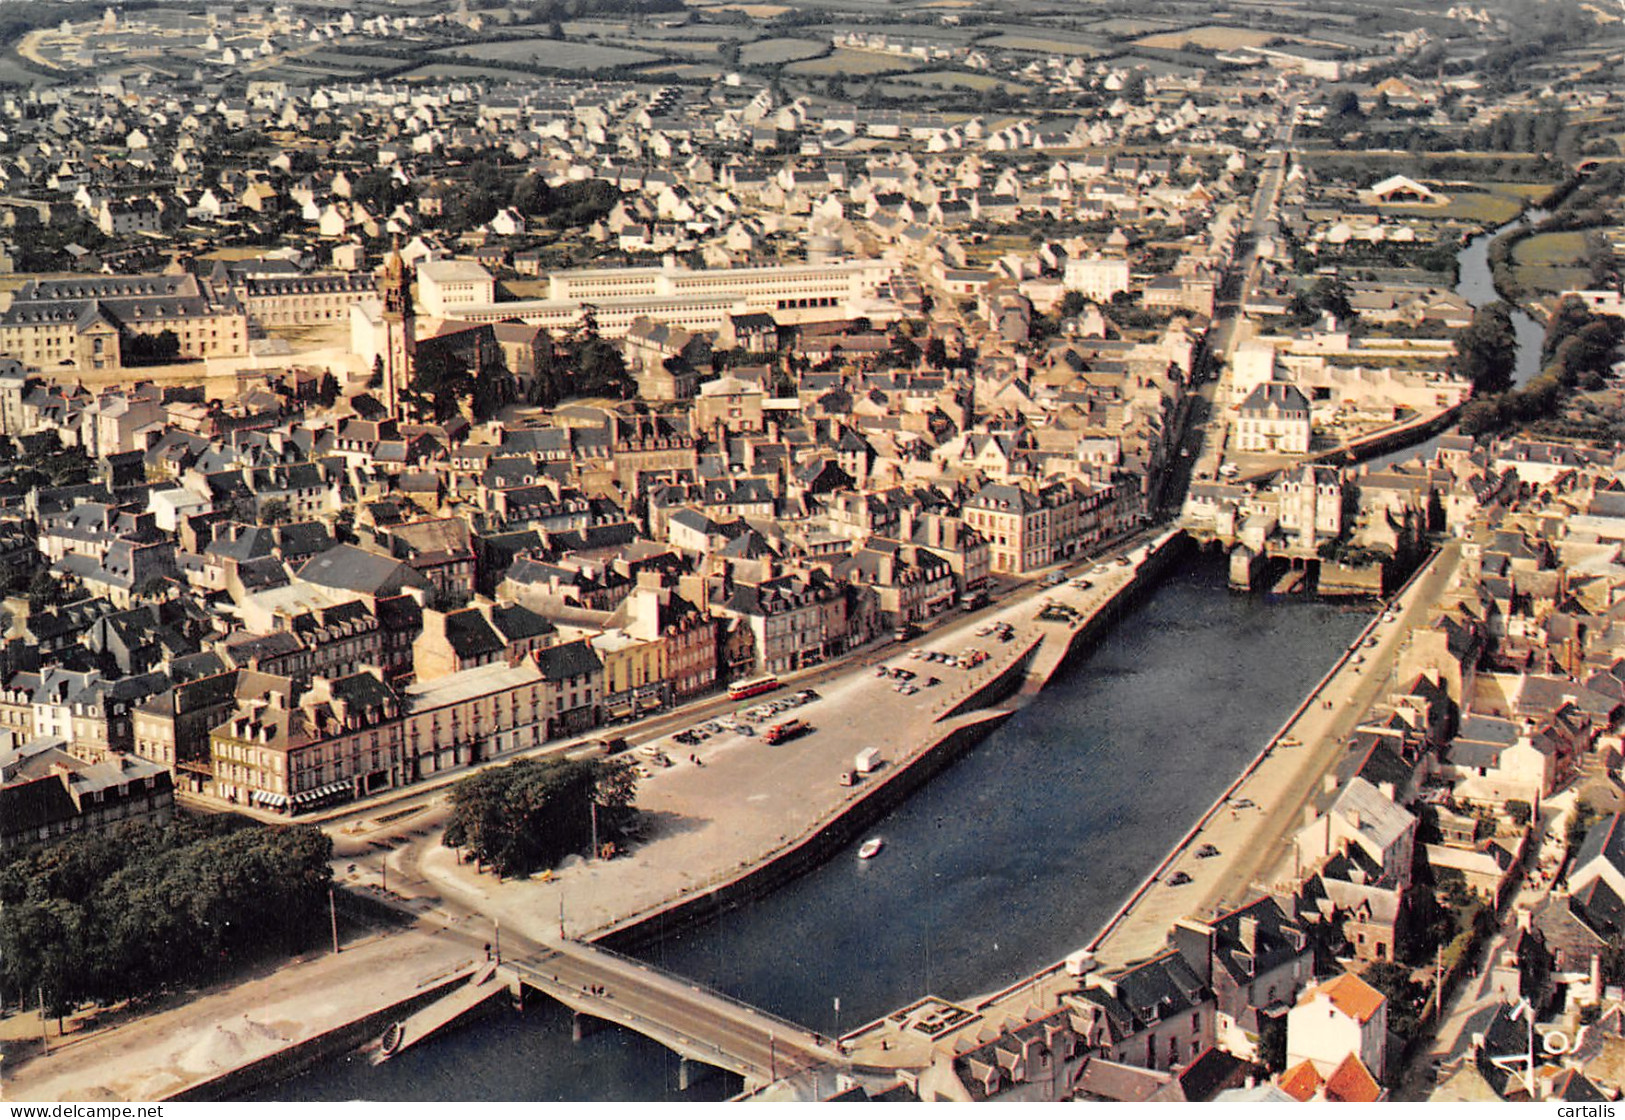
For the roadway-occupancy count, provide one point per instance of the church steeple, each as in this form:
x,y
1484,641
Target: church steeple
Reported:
x,y
400,329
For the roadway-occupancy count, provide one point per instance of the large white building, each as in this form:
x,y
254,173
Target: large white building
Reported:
x,y
1099,278
445,288
694,299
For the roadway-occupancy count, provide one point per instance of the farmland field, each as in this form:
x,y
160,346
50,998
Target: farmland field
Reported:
x,y
1551,262
13,71
845,62
1550,248
952,79
1214,38
1013,42
1120,27
771,51
457,71
553,53
754,11
622,29
684,70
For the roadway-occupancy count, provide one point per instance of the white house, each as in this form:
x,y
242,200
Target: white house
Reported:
x,y
1342,1016
1274,419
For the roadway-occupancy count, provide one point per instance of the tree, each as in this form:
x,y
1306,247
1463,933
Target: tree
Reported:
x,y
1404,994
1346,104
145,906
1133,90
275,512
532,813
936,354
599,369
1487,349
532,196
1073,304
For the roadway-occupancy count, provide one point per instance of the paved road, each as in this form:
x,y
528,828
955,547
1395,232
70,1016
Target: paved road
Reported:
x,y
697,1022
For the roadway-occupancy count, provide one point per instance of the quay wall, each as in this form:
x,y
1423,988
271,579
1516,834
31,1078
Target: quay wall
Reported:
x,y
1029,671
1258,760
812,849
1158,559
299,1056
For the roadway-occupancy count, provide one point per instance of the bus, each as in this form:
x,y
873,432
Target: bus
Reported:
x,y
746,689
784,732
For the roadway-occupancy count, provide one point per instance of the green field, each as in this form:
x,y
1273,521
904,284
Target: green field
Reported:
x,y
953,79
1481,207
457,71
1551,262
1550,248
1124,28
775,51
1015,42
849,62
554,54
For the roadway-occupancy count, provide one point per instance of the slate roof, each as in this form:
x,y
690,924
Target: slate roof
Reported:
x,y
568,660
356,569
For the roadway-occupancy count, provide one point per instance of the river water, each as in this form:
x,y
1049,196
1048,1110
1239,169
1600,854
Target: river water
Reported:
x,y
1476,284
1002,864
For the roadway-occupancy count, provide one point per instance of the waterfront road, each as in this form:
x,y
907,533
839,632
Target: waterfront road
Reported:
x,y
731,802
1252,825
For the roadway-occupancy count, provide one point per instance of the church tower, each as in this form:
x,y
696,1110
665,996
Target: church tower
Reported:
x,y
400,331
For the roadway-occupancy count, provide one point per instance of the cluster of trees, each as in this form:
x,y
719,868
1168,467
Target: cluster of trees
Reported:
x,y
443,379
1487,350
582,364
567,206
1578,352
1326,294
150,349
49,464
532,813
1519,132
128,913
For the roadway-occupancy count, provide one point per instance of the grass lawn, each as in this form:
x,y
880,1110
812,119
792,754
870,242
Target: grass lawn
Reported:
x,y
1548,249
951,79
1486,208
1551,262
1551,278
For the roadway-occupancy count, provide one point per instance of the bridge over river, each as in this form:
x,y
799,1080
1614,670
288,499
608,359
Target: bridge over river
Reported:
x,y
699,1024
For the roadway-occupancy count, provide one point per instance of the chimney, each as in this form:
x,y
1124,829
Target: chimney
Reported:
x,y
1249,934
1354,818
1525,918
1193,941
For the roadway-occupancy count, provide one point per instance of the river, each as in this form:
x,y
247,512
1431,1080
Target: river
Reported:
x,y
1476,284
1013,857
